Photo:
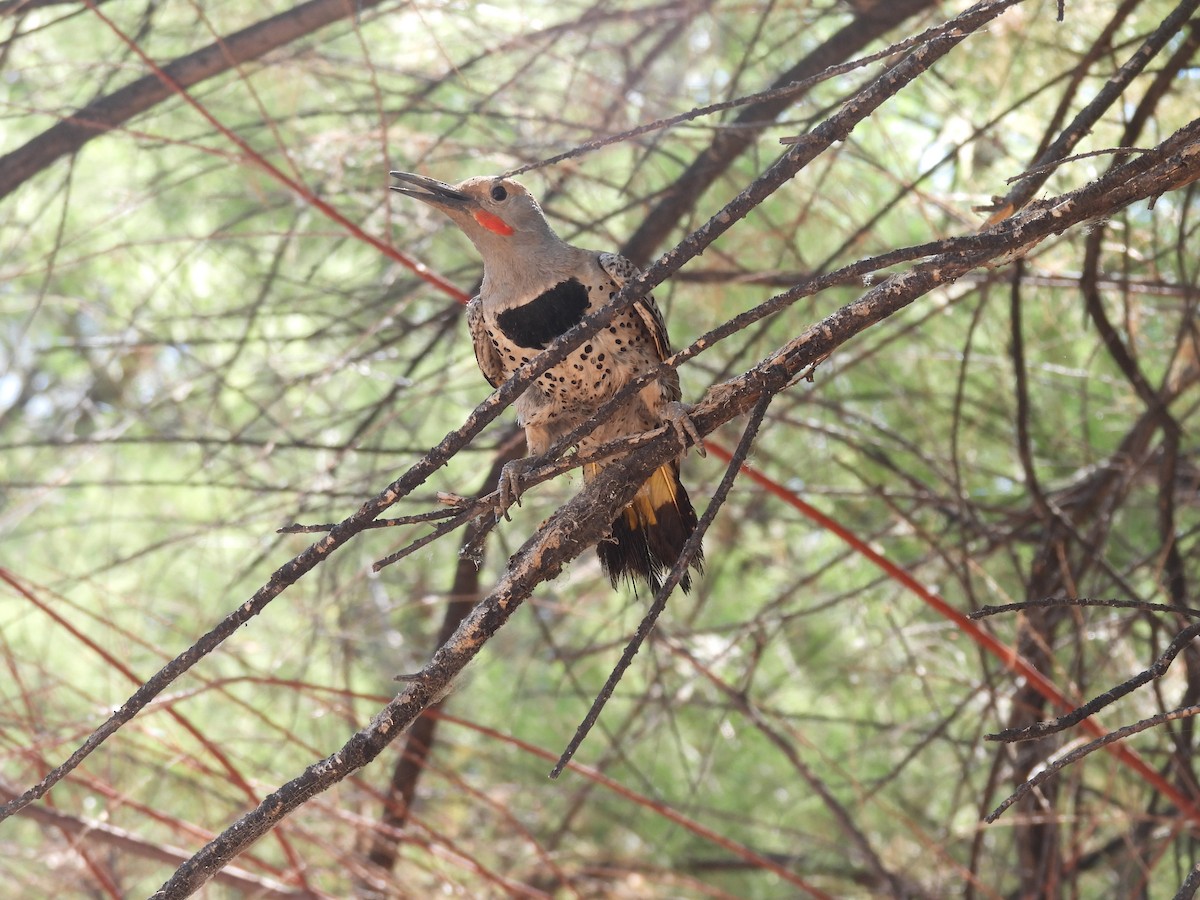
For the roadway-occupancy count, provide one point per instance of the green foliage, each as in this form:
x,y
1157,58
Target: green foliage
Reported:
x,y
194,353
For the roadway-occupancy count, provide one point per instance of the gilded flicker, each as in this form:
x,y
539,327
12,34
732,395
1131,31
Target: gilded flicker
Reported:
x,y
535,287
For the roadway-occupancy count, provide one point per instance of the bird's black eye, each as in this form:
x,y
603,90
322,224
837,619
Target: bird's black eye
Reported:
x,y
499,193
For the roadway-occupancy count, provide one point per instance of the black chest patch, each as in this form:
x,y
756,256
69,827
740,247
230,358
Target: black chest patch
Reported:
x,y
545,317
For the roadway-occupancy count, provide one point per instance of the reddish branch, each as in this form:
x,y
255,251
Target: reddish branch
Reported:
x,y
104,837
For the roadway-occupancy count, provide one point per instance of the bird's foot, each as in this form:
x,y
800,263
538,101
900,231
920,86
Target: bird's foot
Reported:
x,y
679,416
510,488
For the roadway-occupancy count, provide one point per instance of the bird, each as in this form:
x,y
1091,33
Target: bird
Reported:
x,y
535,287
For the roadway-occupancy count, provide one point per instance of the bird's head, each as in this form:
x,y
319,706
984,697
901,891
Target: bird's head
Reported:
x,y
498,214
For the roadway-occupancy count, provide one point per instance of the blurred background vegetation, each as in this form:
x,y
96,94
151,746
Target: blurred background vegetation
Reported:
x,y
195,352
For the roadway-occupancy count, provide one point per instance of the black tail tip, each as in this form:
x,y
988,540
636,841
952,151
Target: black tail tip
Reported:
x,y
646,552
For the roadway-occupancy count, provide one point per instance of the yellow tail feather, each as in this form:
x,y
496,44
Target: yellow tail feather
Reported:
x,y
658,491
649,534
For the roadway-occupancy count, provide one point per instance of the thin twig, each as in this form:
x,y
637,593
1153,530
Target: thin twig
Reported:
x,y
1097,703
434,515
1080,752
462,517
690,549
776,93
985,611
1054,164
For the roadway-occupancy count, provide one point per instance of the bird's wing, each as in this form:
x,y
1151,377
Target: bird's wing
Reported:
x,y
620,270
485,351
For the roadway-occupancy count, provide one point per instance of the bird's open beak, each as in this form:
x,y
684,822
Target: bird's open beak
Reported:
x,y
431,191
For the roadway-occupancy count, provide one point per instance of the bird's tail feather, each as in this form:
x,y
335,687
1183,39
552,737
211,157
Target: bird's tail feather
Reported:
x,y
647,538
